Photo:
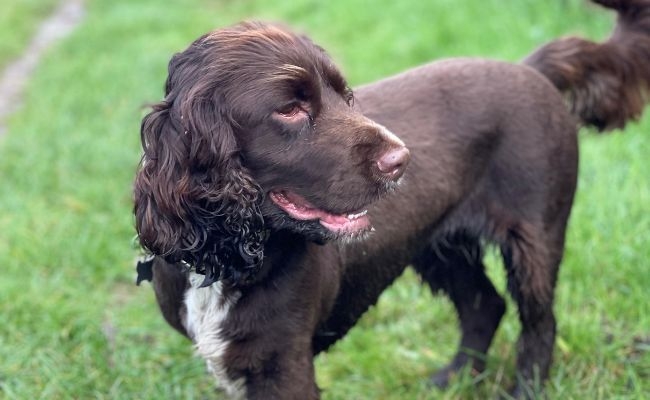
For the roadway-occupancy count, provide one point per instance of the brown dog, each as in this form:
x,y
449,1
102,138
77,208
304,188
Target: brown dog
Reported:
x,y
260,164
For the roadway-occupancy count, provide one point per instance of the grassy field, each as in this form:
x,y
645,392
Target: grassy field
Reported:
x,y
74,326
18,21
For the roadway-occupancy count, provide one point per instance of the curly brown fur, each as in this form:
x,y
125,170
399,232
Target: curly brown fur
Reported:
x,y
258,159
194,201
606,84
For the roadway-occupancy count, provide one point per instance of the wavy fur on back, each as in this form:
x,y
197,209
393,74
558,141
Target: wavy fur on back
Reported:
x,y
606,84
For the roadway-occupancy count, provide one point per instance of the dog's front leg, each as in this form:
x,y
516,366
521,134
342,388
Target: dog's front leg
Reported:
x,y
256,341
283,374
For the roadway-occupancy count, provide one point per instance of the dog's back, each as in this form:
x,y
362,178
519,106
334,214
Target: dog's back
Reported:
x,y
493,148
493,158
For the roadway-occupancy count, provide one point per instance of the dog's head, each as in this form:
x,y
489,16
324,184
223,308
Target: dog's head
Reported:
x,y
257,133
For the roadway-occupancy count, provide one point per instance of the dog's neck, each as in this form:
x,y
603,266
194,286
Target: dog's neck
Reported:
x,y
281,248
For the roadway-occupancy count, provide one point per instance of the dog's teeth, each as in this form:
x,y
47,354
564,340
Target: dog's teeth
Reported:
x,y
358,215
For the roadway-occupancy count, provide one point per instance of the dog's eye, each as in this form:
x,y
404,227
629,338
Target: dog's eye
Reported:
x,y
290,111
349,97
293,111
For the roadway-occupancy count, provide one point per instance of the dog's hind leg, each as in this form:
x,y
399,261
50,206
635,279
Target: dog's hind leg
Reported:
x,y
532,257
456,267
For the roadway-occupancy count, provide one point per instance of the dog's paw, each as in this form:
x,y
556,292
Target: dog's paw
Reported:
x,y
442,378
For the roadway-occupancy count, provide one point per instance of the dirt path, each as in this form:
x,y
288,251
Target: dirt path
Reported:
x,y
16,75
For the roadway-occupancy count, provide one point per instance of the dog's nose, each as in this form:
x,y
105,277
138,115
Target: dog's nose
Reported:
x,y
393,163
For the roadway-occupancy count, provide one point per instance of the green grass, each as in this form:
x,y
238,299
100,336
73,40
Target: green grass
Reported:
x,y
73,325
18,22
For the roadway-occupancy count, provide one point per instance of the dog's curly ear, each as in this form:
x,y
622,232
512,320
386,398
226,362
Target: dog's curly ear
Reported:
x,y
194,201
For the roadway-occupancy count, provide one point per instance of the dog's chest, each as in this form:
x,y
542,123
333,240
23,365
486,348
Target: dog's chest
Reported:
x,y
207,311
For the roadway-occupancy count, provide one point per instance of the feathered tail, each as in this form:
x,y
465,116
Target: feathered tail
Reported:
x,y
606,84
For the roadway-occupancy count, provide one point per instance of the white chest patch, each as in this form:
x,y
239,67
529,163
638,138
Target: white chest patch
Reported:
x,y
207,309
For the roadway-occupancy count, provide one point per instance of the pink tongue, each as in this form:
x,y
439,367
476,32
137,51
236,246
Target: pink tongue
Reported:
x,y
303,213
300,209
334,219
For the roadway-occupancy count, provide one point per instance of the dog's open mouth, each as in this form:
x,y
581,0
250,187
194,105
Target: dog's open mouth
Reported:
x,y
299,208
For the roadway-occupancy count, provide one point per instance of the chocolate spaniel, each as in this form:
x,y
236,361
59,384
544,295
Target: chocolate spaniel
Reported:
x,y
279,203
